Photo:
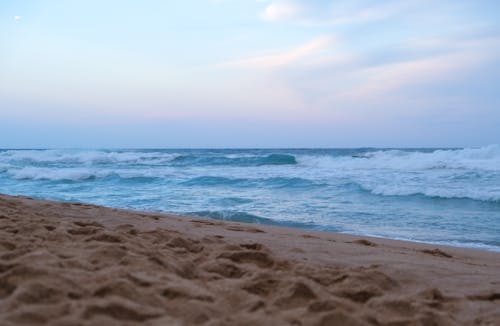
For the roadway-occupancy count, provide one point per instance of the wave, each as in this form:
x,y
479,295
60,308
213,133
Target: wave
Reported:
x,y
293,182
78,174
34,173
278,159
148,175
486,195
485,158
243,217
37,157
235,160
234,216
213,181
274,182
231,201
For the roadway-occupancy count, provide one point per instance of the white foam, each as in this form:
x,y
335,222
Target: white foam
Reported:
x,y
492,194
461,173
73,174
85,157
485,158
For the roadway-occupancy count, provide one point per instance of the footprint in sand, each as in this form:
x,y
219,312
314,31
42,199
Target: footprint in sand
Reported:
x,y
228,270
105,237
83,231
308,236
49,227
296,295
202,222
437,252
365,242
494,296
122,311
259,258
262,285
252,246
254,253
86,223
244,229
187,244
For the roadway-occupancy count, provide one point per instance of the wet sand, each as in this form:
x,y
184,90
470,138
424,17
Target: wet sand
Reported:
x,y
79,264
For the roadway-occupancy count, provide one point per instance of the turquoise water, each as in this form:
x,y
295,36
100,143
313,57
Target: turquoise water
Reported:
x,y
445,196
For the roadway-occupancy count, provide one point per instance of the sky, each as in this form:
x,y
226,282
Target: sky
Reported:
x,y
249,73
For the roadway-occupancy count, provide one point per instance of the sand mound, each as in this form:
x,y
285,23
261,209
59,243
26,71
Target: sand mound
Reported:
x,y
67,264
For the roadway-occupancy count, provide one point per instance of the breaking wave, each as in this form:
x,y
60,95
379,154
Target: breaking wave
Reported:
x,y
33,173
488,195
485,158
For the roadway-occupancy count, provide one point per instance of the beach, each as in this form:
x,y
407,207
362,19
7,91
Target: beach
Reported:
x,y
81,264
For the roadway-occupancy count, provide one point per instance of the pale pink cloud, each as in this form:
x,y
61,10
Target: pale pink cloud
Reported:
x,y
307,50
372,82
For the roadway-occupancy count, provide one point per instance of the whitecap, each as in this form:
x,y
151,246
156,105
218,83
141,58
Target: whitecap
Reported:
x,y
71,174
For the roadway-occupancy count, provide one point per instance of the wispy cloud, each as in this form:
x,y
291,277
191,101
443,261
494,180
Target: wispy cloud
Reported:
x,y
307,50
320,13
378,80
281,10
378,12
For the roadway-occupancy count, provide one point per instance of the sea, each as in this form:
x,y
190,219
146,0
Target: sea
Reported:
x,y
439,196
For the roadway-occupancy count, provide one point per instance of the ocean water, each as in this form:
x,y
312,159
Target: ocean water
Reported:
x,y
443,196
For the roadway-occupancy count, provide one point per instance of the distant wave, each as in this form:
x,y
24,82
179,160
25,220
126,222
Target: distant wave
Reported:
x,y
278,159
93,157
484,159
232,160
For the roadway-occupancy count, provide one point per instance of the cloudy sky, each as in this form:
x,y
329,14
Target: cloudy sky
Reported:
x,y
247,73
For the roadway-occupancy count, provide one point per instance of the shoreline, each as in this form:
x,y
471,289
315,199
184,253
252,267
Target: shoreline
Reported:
x,y
274,224
69,263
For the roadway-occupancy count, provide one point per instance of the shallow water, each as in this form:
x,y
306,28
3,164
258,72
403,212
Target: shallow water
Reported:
x,y
445,196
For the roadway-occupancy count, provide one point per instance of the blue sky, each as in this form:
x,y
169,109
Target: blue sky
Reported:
x,y
247,73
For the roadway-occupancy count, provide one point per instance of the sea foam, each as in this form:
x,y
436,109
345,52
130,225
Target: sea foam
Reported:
x,y
485,158
72,174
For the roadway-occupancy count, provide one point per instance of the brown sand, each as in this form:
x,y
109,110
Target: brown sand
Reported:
x,y
77,264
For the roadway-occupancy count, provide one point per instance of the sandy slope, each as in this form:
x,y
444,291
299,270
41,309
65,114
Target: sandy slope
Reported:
x,y
76,264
